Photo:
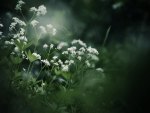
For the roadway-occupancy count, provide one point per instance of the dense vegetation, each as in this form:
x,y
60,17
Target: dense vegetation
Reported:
x,y
45,69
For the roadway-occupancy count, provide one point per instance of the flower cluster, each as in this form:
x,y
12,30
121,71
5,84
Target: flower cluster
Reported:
x,y
82,52
46,62
42,29
61,45
34,23
16,21
56,58
41,10
36,55
19,5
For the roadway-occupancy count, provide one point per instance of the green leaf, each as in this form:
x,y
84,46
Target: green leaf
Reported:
x,y
30,56
66,75
57,72
19,44
27,45
22,46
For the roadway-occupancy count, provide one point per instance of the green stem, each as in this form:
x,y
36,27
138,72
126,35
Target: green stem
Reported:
x,y
48,52
23,16
38,37
32,17
29,68
106,36
41,70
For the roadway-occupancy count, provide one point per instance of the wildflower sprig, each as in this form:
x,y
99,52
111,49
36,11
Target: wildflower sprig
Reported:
x,y
19,5
60,62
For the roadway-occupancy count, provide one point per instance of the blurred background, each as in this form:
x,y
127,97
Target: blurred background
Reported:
x,y
125,57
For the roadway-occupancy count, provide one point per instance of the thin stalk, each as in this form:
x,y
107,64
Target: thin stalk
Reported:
x,y
23,16
29,68
41,70
48,52
106,36
32,17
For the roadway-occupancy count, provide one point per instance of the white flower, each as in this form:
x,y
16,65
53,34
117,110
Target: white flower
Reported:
x,y
12,53
21,2
61,45
16,35
54,31
16,21
49,26
1,25
20,22
41,10
65,52
46,62
12,26
33,9
45,46
67,61
60,62
22,31
94,57
36,55
19,5
24,69
72,50
51,29
65,68
51,46
12,41
16,49
23,38
52,61
87,63
100,69
42,29
1,33
23,56
43,84
82,49
7,42
71,62
56,64
80,53
92,50
79,58
34,23
55,57
79,42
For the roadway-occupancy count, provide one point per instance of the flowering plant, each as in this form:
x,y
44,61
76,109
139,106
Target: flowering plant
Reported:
x,y
55,63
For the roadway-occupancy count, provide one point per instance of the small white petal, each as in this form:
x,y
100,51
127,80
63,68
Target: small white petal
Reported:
x,y
45,46
34,23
